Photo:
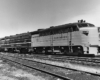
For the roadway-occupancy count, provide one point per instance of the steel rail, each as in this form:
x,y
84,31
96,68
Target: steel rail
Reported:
x,y
96,74
38,69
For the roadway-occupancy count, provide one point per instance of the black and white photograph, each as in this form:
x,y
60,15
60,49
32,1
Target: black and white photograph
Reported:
x,y
49,39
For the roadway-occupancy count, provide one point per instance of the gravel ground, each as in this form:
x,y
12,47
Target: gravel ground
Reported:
x,y
8,72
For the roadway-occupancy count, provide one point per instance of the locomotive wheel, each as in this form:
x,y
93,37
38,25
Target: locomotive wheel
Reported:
x,y
77,51
80,52
66,52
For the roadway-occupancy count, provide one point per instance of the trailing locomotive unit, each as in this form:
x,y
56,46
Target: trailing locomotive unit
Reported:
x,y
16,43
79,38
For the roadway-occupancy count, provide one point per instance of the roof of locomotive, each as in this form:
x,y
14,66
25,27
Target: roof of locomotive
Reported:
x,y
20,34
64,26
16,35
36,32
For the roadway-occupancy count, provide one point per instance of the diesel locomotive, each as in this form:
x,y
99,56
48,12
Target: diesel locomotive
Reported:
x,y
79,39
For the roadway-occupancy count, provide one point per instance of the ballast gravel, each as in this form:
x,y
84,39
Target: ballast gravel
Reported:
x,y
8,72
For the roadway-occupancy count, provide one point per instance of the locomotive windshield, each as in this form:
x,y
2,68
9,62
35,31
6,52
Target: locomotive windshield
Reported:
x,y
85,25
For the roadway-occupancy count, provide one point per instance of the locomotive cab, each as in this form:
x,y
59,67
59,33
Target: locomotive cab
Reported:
x,y
90,40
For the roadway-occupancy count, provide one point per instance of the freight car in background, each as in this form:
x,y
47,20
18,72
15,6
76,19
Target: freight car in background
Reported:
x,y
77,39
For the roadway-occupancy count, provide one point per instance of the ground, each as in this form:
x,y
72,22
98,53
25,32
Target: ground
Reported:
x,y
8,72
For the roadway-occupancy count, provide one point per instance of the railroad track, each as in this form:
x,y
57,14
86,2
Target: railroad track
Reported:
x,y
46,68
84,60
91,61
35,65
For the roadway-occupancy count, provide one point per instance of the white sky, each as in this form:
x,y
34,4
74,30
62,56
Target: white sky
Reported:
x,y
18,16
